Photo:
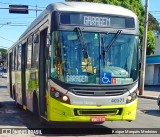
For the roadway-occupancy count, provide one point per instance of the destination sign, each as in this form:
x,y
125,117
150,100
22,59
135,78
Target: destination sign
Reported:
x,y
77,78
96,20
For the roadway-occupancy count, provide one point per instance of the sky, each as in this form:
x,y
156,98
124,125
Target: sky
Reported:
x,y
13,25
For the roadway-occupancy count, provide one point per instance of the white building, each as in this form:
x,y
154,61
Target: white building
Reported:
x,y
152,73
157,48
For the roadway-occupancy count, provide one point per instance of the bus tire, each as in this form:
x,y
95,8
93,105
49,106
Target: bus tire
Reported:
x,y
14,93
35,104
43,122
18,106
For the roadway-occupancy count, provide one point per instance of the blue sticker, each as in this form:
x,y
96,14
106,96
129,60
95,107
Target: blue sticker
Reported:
x,y
106,78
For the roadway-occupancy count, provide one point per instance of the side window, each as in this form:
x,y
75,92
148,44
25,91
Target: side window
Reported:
x,y
29,52
13,59
57,67
57,54
35,51
19,57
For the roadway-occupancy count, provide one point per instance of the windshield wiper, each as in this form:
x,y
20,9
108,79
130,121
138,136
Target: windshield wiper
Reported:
x,y
110,45
81,39
113,40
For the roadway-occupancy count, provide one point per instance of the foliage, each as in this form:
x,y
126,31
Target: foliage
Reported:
x,y
137,7
3,53
153,23
150,43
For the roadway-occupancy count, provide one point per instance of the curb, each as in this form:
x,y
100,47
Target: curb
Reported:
x,y
148,97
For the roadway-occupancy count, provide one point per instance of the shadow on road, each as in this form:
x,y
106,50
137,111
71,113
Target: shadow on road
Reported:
x,y
154,112
78,129
18,118
9,115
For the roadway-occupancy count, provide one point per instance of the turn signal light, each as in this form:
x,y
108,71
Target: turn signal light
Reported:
x,y
52,89
137,90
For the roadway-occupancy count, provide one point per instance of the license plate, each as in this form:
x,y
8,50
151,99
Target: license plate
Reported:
x,y
98,119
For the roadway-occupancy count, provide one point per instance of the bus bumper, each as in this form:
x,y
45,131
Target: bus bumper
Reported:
x,y
58,111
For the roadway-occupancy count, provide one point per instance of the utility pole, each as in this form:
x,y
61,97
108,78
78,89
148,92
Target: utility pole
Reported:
x,y
144,46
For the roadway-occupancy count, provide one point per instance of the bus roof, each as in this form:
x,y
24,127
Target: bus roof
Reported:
x,y
91,8
85,7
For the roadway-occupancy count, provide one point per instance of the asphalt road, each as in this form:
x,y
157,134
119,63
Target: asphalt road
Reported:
x,y
148,116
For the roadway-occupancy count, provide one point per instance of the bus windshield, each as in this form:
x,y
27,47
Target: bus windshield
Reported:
x,y
85,58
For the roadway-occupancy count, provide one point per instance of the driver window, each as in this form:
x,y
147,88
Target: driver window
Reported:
x,y
56,66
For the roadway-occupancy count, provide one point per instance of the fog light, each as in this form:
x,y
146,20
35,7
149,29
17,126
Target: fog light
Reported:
x,y
57,94
65,98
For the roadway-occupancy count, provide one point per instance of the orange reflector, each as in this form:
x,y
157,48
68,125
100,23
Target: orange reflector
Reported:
x,y
52,89
24,107
137,90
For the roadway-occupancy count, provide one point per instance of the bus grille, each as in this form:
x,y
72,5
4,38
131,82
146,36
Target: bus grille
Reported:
x,y
93,92
97,112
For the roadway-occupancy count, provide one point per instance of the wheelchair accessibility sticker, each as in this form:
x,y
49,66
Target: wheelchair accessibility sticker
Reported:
x,y
106,78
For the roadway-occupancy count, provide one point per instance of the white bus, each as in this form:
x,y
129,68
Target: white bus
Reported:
x,y
77,62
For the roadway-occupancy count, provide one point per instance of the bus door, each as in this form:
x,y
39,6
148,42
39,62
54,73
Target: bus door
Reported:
x,y
10,74
42,73
23,73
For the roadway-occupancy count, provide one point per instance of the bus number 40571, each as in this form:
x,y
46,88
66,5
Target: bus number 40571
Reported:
x,y
117,100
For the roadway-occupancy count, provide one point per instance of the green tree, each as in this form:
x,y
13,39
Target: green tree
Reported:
x,y
153,23
3,53
150,43
137,7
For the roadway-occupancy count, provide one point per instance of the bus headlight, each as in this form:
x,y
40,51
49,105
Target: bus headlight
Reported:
x,y
65,98
131,97
59,96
